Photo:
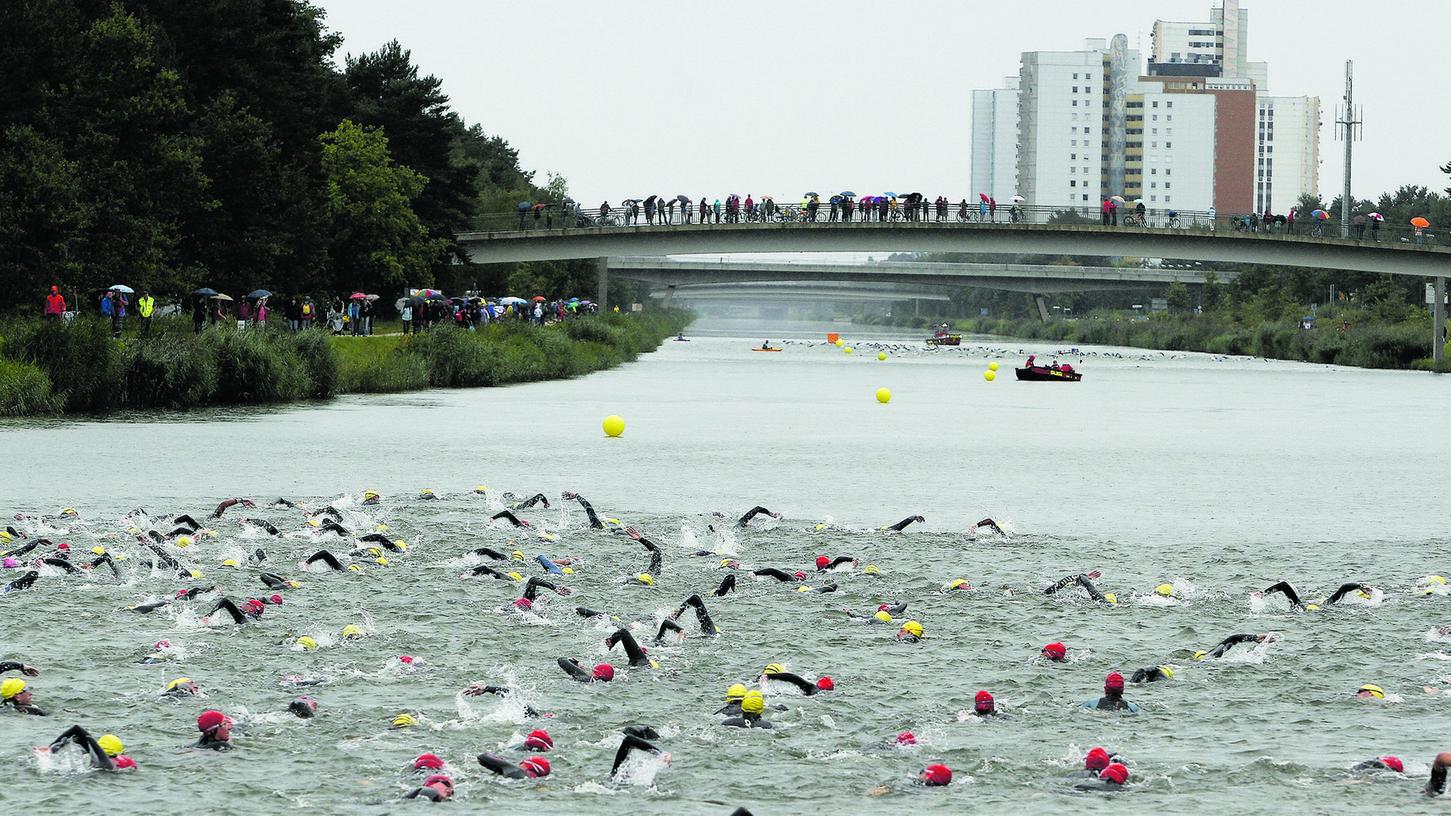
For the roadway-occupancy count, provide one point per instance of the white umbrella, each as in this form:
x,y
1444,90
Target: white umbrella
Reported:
x,y
1018,199
123,289
511,301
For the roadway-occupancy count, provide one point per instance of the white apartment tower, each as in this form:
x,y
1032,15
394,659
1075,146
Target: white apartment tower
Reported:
x,y
995,141
1287,160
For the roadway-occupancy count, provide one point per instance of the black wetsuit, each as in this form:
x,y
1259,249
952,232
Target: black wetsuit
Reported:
x,y
301,709
211,743
772,572
76,734
10,666
750,514
1372,765
902,525
594,519
186,521
485,569
1346,589
637,656
987,522
382,540
332,526
60,563
502,766
273,581
537,498
807,687
263,524
489,552
840,559
23,709
746,721
1081,580
707,626
23,549
1229,642
504,691
629,744
531,588
238,616
726,585
424,793
1114,702
1148,675
166,560
655,555
325,557
573,668
25,581
281,502
507,516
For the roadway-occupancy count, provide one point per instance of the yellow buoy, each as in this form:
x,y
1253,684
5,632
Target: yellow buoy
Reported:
x,y
884,395
614,425
840,342
881,355
989,375
993,366
848,349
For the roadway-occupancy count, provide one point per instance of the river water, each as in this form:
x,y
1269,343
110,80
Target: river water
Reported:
x,y
1221,476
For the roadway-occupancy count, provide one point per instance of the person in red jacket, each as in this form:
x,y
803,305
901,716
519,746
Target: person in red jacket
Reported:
x,y
54,304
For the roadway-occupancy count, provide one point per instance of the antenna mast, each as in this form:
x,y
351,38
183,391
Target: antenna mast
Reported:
x,y
1349,120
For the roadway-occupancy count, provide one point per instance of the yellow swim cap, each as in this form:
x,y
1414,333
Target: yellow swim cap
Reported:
x,y
196,574
481,489
821,526
883,616
753,703
354,568
131,530
514,575
913,628
735,692
871,569
231,562
567,570
68,511
111,744
177,682
645,578
307,643
1110,597
548,536
5,535
1434,579
612,521
400,544
381,561
11,687
1166,590
313,522
1201,654
370,494
184,541
517,555
803,589
957,582
380,527
404,720
352,631
98,550
773,668
1167,672
1375,691
375,551
725,562
426,492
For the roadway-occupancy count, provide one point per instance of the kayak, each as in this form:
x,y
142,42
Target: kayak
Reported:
x,y
1045,374
769,349
945,340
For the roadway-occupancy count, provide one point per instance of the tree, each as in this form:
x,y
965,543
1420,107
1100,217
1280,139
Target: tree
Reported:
x,y
378,240
1211,296
1447,170
1177,296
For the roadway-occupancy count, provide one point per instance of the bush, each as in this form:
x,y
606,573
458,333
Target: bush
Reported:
x,y
319,360
25,390
170,375
80,357
255,366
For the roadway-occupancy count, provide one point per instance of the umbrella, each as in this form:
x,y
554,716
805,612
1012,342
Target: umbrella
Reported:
x,y
574,300
1320,214
123,289
357,296
221,297
1376,216
683,199
538,298
436,296
1138,201
426,293
372,297
256,294
847,194
400,303
585,302
836,199
523,205
1420,223
1118,198
511,301
205,292
1018,199
888,195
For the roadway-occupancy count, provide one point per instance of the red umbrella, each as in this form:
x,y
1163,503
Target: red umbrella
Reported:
x,y
538,298
358,296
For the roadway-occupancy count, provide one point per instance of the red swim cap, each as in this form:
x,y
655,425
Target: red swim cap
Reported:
x,y
822,561
1113,681
1115,773
535,766
210,720
429,761
906,738
1096,760
1394,763
983,701
936,774
1055,651
64,545
254,606
524,604
437,778
123,763
882,607
276,599
539,740
825,683
800,576
603,672
405,659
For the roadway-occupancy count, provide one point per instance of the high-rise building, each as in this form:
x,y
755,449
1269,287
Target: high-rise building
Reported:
x,y
1287,161
1170,152
995,141
1233,172
1218,47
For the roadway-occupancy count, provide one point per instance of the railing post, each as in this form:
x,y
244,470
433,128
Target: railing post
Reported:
x,y
602,273
1438,319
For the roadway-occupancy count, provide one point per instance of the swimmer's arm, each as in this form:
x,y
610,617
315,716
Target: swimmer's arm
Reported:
x,y
807,687
655,561
632,649
1289,591
1231,641
105,558
489,552
840,559
325,557
19,551
507,516
78,734
1437,783
187,520
753,512
531,589
667,625
230,608
1344,590
726,585
1061,583
573,669
61,563
23,668
594,520
707,626
630,743
500,766
772,572
485,569
1088,587
222,508
902,525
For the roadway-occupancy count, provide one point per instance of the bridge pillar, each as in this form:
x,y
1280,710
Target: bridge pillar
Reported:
x,y
602,273
1438,319
669,295
1042,307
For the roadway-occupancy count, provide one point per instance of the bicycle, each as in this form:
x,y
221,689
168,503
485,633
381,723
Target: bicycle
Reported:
x,y
1134,220
1318,231
1173,221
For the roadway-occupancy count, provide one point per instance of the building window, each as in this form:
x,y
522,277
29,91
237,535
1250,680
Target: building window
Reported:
x,y
1168,184
1155,117
1167,199
1153,198
1075,130
1168,145
1154,172
1075,87
1154,185
1075,103
1074,157
1156,103
1153,131
1153,144
1168,171
1075,76
1072,184
1169,118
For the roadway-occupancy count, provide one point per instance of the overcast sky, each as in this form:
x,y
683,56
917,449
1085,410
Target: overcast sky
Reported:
x,y
628,97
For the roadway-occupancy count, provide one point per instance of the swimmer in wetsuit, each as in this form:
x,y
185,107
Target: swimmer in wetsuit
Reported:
x,y
1380,763
436,788
1230,642
594,519
1085,581
106,752
902,525
1113,696
222,508
25,581
1294,598
480,689
779,575
727,585
988,523
536,499
806,687
753,705
655,554
631,743
744,521
250,610
636,654
601,673
531,768
1152,674
216,729
670,624
824,564
15,665
16,693
509,517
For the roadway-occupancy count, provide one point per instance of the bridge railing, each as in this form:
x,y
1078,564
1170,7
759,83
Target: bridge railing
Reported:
x,y
562,218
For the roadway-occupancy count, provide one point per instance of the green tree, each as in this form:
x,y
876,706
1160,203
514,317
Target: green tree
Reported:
x,y
1211,296
1177,296
378,240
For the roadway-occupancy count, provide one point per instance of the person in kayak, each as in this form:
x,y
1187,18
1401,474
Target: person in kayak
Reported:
x,y
1230,642
745,521
1085,581
902,525
436,788
530,768
631,743
16,693
1113,696
107,753
216,730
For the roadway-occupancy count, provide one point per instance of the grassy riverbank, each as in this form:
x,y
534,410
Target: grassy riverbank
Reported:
x,y
1341,339
77,367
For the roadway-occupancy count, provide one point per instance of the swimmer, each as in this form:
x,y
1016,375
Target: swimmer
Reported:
x,y
480,688
753,705
983,704
654,549
427,494
633,650
25,581
16,693
882,614
594,519
436,788
489,552
274,581
733,696
106,753
1294,598
1370,691
1230,642
911,632
779,575
806,687
250,610
956,585
601,673
902,525
1085,581
744,521
1437,783
988,523
632,743
24,668
222,508
537,498
1111,778
702,616
530,768
824,564
509,517
216,729
1095,761
1380,763
1152,674
303,707
728,584
1113,696
370,497
181,687
935,775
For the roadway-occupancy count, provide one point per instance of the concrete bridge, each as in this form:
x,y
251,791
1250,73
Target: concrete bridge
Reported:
x,y
1304,251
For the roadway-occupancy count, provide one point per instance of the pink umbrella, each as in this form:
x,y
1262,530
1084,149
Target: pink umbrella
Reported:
x,y
1376,217
358,296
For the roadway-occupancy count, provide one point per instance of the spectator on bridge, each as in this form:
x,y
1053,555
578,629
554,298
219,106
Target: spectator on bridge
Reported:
x,y
54,304
1269,220
704,210
717,211
1290,220
750,207
1375,230
604,211
1212,215
992,208
1107,203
